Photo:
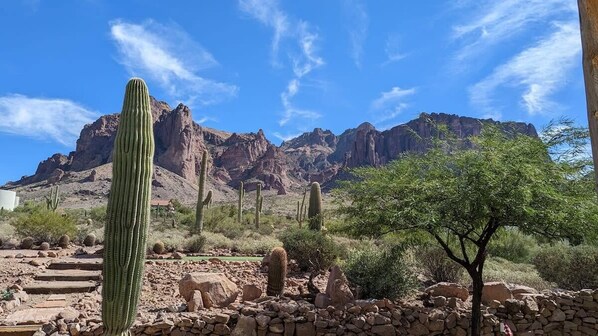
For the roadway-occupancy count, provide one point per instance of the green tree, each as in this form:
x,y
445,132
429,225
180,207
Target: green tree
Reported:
x,y
461,192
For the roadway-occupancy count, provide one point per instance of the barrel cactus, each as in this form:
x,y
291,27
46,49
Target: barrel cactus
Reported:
x,y
277,271
159,248
314,213
64,241
27,243
44,246
128,212
90,240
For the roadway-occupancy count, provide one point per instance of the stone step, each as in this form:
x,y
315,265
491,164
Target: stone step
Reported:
x,y
60,287
87,265
22,330
69,275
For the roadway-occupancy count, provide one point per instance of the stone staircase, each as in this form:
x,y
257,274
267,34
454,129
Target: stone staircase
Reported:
x,y
66,277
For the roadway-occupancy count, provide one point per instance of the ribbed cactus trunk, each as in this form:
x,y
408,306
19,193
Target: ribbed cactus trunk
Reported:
x,y
240,205
128,213
258,205
277,272
53,200
200,198
314,214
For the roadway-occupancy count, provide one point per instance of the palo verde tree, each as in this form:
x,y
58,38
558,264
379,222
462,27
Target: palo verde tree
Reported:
x,y
460,192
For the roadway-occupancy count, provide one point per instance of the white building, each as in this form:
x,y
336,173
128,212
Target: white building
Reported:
x,y
8,200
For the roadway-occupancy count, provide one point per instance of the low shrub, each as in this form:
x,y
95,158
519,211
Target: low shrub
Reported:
x,y
570,267
195,244
379,272
436,265
503,270
255,243
311,249
513,245
45,226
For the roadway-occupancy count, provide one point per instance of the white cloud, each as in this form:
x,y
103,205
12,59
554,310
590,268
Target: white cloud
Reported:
x,y
57,119
495,21
392,50
539,71
303,53
358,21
269,14
391,103
286,137
169,57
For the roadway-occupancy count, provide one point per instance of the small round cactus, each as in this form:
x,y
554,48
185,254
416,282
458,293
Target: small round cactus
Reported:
x,y
44,246
64,241
159,248
277,271
90,240
27,243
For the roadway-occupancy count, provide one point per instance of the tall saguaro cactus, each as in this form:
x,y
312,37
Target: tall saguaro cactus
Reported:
x,y
53,200
201,202
588,24
240,205
128,213
259,200
314,214
300,217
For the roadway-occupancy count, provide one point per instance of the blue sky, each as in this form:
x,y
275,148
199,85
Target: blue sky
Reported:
x,y
283,66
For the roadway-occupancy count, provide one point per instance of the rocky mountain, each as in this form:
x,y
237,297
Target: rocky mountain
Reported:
x,y
319,155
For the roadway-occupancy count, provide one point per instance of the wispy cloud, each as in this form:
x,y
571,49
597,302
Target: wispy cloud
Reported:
x,y
59,120
540,71
491,22
391,103
286,137
358,22
170,58
393,50
302,53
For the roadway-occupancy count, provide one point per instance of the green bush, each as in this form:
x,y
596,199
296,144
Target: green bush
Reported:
x,y
311,248
98,215
379,273
503,270
45,226
437,265
195,244
513,245
570,267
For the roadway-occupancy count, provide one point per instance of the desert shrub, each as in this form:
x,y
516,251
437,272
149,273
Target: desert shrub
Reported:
x,y
255,243
435,263
44,225
499,269
217,240
379,272
570,267
195,244
98,215
513,245
311,248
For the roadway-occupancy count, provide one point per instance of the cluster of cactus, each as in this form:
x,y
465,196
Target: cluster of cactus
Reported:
x,y
201,201
128,211
240,205
159,248
63,241
259,201
277,272
53,200
301,209
314,214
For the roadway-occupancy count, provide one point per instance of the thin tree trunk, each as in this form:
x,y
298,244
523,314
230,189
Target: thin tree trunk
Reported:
x,y
476,302
588,18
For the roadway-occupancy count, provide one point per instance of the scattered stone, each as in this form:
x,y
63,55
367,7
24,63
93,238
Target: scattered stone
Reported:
x,y
251,292
495,291
448,290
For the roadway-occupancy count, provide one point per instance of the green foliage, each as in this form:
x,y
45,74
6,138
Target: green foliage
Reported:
x,y
314,213
513,245
277,272
98,215
380,272
570,267
499,269
128,211
311,249
437,265
195,244
44,225
6,294
53,199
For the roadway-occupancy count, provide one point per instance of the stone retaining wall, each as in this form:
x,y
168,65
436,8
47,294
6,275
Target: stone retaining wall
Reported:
x,y
564,313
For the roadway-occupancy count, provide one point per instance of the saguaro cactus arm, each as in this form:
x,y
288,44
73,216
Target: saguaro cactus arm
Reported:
x,y
128,212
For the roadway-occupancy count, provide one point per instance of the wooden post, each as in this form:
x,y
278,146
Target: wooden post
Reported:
x,y
588,23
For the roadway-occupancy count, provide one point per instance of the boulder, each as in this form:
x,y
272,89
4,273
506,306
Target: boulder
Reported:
x,y
495,291
519,291
448,290
251,292
337,288
322,300
196,302
217,290
246,326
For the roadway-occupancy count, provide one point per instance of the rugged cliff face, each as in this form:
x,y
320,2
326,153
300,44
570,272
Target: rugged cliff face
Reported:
x,y
313,156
